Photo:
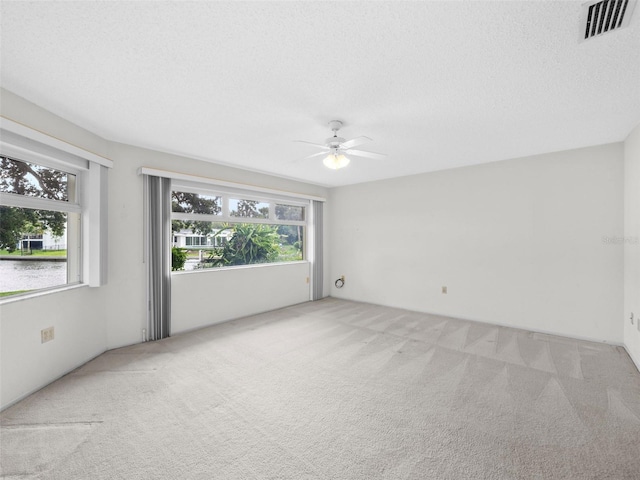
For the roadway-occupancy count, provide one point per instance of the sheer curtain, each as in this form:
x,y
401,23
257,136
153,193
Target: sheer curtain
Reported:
x,y
158,255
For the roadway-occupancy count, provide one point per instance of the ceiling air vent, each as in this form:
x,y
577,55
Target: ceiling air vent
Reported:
x,y
600,17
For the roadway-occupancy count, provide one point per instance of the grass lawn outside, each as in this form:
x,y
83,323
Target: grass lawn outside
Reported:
x,y
35,253
289,253
15,292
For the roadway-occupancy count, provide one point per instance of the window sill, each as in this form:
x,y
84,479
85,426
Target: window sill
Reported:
x,y
239,267
40,293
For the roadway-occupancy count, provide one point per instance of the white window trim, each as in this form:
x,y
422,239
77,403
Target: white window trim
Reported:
x,y
21,142
22,201
220,184
44,139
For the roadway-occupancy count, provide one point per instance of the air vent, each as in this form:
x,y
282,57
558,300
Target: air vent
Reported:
x,y
604,16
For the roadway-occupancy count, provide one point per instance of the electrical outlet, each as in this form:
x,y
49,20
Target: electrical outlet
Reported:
x,y
307,279
444,289
46,335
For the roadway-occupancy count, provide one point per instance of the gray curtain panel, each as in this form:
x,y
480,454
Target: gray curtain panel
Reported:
x,y
318,280
158,255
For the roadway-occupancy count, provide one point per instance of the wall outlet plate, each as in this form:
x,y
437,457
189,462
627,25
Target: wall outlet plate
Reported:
x,y
46,335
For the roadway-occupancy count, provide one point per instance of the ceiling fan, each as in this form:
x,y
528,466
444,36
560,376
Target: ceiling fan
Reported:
x,y
337,148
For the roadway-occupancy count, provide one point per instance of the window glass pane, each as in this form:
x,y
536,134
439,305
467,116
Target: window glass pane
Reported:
x,y
210,245
185,202
33,246
290,212
291,243
197,241
32,180
248,208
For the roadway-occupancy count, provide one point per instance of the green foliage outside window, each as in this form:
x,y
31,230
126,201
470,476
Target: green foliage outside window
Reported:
x,y
178,258
250,243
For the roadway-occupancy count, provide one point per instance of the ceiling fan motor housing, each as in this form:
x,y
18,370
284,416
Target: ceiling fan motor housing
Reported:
x,y
334,142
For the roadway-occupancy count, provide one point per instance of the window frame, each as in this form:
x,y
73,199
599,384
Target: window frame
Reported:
x,y
73,225
39,203
22,143
225,193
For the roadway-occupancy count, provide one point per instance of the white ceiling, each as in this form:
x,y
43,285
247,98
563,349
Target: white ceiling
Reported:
x,y
435,84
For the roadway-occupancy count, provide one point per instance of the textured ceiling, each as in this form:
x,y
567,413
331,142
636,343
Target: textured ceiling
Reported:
x,y
435,84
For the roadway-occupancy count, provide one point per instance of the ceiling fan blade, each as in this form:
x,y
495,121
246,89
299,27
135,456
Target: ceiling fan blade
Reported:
x,y
324,147
315,155
361,153
354,142
310,156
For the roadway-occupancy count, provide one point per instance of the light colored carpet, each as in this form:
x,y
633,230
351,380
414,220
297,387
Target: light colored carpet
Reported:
x,y
336,390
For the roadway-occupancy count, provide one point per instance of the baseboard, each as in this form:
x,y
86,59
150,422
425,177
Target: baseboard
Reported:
x,y
226,320
635,360
498,324
49,382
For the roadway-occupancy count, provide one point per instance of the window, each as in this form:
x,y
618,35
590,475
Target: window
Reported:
x,y
193,240
39,247
52,212
290,212
186,202
248,208
221,229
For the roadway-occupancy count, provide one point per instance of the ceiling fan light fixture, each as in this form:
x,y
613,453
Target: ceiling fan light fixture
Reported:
x,y
335,161
335,148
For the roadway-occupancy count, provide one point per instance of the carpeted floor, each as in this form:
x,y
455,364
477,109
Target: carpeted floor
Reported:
x,y
336,390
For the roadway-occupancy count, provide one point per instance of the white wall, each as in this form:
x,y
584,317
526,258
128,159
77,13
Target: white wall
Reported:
x,y
632,244
89,321
196,297
519,242
79,315
26,364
